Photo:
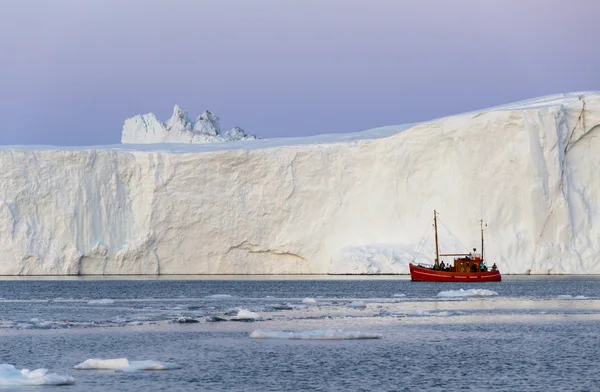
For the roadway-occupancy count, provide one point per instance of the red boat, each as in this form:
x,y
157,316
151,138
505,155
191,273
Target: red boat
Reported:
x,y
467,267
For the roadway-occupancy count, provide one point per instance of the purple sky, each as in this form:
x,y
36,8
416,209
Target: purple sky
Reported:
x,y
72,71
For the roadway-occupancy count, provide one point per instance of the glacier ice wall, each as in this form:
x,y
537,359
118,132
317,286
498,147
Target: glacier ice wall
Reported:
x,y
359,203
146,128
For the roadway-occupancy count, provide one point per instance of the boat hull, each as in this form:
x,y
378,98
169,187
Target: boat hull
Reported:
x,y
420,274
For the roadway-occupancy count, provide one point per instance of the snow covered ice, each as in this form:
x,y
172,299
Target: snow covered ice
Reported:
x,y
104,301
246,315
313,335
467,293
123,364
339,204
11,376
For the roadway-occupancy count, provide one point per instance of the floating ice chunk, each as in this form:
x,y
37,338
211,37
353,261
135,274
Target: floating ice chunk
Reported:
x,y
357,305
329,334
421,313
104,301
580,297
570,296
187,320
219,296
11,376
125,365
399,295
467,293
309,301
246,315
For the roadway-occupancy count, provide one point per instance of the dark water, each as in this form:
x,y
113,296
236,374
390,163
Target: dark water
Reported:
x,y
527,338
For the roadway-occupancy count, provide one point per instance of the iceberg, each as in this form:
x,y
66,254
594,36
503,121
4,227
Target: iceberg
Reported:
x,y
123,364
354,203
328,334
145,128
11,376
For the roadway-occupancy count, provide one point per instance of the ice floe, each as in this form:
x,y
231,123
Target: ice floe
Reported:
x,y
104,301
420,313
246,315
357,305
467,293
125,365
329,334
309,301
219,296
187,320
399,295
566,296
11,376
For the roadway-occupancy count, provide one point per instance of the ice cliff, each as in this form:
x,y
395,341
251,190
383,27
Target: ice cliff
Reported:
x,y
145,128
347,203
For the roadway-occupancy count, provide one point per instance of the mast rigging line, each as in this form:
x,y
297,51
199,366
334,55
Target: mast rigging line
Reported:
x,y
452,234
422,244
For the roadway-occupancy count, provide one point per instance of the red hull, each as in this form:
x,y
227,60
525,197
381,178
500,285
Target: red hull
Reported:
x,y
420,274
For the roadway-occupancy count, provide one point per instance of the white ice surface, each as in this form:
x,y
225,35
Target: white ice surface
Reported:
x,y
244,314
308,300
314,335
104,301
11,376
219,296
467,293
123,364
342,204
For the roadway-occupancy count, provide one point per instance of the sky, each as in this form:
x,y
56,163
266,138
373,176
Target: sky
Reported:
x,y
72,71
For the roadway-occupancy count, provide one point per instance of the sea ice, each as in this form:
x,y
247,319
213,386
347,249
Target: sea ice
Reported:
x,y
123,364
357,305
11,376
187,320
467,293
398,295
329,334
105,301
309,301
246,315
219,296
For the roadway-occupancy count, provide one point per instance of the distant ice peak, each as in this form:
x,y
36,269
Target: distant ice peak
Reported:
x,y
180,129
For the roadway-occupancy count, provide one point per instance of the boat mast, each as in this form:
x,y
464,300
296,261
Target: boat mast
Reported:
x,y
437,249
481,223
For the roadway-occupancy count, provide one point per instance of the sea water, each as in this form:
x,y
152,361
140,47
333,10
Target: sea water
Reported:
x,y
306,333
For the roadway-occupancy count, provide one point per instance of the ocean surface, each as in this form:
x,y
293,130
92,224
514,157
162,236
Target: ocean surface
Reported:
x,y
525,333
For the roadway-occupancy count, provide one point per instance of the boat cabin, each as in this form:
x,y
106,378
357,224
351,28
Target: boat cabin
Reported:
x,y
471,263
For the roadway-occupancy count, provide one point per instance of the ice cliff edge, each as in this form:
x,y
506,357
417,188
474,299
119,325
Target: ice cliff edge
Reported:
x,y
357,203
145,128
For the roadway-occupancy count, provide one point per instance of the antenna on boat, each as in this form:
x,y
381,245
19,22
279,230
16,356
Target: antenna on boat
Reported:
x,y
437,248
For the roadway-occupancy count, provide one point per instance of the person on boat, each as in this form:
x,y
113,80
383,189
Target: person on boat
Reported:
x,y
443,266
483,267
494,268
